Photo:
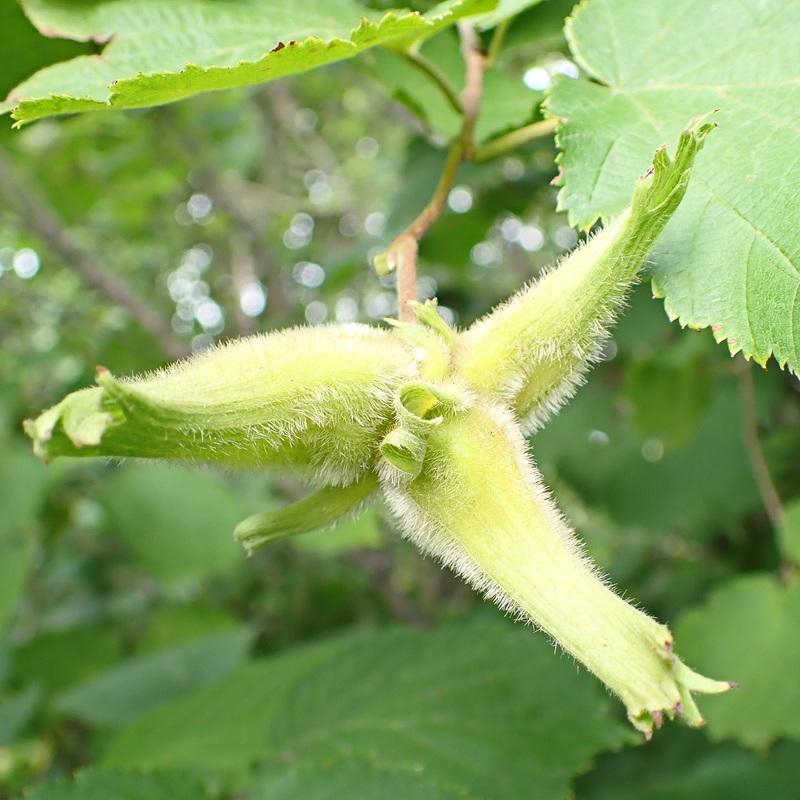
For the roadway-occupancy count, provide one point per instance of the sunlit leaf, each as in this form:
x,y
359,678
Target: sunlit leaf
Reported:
x,y
158,54
729,259
25,50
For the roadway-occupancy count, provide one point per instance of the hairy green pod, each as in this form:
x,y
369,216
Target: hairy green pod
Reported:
x,y
313,402
436,419
479,506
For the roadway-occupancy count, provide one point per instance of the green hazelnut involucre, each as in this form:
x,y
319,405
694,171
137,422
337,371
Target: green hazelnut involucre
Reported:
x,y
434,420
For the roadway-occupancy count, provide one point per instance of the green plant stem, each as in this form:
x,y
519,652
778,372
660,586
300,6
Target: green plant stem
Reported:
x,y
402,252
511,141
438,77
755,454
496,41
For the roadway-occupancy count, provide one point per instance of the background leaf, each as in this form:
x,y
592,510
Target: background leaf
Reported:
x,y
15,712
53,661
125,692
101,784
682,765
504,10
747,623
728,259
22,489
160,54
457,710
178,523
506,103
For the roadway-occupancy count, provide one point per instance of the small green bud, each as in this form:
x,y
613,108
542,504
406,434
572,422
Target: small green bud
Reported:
x,y
382,265
432,340
322,509
419,408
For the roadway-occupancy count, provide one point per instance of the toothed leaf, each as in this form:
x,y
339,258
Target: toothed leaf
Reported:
x,y
534,350
730,259
447,714
746,624
161,53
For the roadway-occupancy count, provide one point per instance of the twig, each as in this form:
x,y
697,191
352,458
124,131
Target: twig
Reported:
x,y
511,141
439,78
43,221
769,494
497,41
475,63
401,255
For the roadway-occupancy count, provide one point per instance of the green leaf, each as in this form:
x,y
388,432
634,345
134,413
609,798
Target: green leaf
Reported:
x,y
125,692
472,711
159,54
506,102
636,478
15,712
729,259
22,486
669,394
174,624
683,765
504,10
224,726
104,784
789,532
25,50
54,661
177,523
750,630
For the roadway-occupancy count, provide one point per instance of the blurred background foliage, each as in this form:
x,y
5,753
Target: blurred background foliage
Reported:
x,y
128,613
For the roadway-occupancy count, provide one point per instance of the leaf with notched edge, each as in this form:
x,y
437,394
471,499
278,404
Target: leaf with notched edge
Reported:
x,y
729,259
162,52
